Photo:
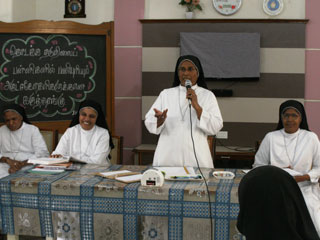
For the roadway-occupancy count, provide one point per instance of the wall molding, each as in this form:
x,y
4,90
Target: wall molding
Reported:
x,y
230,20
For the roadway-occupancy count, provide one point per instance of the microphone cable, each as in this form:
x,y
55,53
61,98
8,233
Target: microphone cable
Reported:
x,y
205,181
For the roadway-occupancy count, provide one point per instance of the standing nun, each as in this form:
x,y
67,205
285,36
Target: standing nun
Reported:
x,y
169,116
294,146
88,138
19,140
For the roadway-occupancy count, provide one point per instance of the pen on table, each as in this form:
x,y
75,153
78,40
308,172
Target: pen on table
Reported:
x,y
186,177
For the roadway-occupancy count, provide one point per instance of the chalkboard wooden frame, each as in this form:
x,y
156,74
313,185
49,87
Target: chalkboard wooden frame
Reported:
x,y
73,28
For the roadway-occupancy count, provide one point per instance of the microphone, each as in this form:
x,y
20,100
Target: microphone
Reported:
x,y
188,84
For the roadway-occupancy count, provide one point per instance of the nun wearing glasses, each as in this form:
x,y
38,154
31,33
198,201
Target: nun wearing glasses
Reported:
x,y
88,138
19,140
177,111
294,147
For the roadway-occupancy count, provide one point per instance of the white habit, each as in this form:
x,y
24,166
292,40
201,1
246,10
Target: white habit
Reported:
x,y
90,146
175,146
22,144
301,151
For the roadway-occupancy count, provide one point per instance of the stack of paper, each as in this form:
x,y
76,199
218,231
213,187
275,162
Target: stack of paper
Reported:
x,y
48,161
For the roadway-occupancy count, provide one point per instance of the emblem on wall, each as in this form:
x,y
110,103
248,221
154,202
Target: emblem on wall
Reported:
x,y
74,9
227,7
273,7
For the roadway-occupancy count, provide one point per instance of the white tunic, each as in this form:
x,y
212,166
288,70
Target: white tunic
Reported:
x,y
175,146
301,151
90,146
22,144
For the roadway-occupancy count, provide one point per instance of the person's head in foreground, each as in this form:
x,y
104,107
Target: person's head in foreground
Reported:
x,y
272,207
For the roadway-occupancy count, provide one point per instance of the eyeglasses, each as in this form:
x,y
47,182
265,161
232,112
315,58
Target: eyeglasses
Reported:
x,y
286,116
189,69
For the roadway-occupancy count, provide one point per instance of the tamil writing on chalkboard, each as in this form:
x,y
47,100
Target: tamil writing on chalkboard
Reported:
x,y
47,75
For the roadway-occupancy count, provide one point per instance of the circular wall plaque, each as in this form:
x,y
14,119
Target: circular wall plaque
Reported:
x,y
74,9
273,7
227,7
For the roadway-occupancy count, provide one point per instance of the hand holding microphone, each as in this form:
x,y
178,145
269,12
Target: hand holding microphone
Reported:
x,y
192,98
191,95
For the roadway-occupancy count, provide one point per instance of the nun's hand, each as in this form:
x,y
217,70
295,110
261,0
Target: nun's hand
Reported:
x,y
191,94
161,116
14,165
56,156
302,178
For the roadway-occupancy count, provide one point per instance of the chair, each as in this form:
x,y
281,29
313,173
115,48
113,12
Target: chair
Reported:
x,y
49,138
116,152
212,146
258,143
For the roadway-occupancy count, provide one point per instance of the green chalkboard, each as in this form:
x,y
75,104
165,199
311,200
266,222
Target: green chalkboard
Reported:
x,y
50,67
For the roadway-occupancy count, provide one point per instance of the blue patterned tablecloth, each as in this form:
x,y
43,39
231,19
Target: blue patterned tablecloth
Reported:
x,y
82,205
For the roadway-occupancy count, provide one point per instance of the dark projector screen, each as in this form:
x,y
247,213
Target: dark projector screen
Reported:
x,y
224,55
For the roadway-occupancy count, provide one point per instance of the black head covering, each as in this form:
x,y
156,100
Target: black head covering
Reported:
x,y
299,107
272,207
101,120
17,108
201,82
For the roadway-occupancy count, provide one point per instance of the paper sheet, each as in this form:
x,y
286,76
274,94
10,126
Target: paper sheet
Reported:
x,y
107,174
129,179
48,161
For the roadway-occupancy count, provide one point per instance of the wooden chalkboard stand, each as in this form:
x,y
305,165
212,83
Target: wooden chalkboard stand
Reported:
x,y
71,29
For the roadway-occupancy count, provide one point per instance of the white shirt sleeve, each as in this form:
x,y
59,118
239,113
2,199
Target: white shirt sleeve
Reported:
x,y
211,120
39,145
102,150
314,173
63,147
262,157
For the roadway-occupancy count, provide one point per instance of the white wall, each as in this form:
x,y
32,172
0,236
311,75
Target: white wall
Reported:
x,y
170,9
6,10
23,10
97,11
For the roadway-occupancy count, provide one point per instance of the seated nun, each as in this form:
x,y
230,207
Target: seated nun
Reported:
x,y
88,138
295,147
19,140
272,207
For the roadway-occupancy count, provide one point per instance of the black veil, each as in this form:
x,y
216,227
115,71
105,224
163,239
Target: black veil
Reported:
x,y
200,82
